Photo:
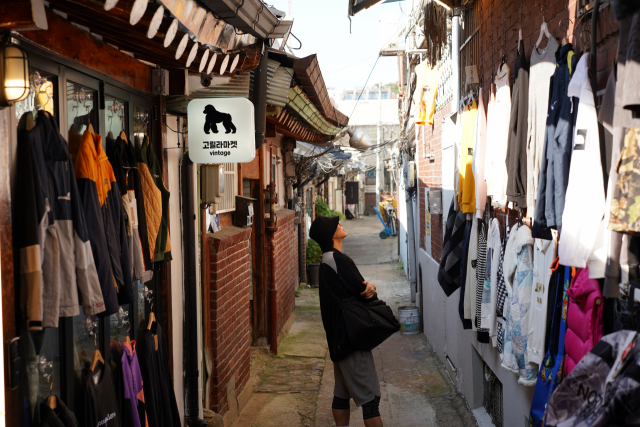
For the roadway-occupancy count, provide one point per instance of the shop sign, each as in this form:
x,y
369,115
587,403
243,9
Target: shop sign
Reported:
x,y
221,130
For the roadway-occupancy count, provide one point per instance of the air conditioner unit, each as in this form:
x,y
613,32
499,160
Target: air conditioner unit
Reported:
x,y
212,183
412,174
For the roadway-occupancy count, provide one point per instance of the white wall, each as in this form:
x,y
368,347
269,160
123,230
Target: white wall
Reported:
x,y
177,268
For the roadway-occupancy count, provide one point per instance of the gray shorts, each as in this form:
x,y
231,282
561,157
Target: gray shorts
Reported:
x,y
356,378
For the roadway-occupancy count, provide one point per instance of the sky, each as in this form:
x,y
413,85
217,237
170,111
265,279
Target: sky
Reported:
x,y
345,59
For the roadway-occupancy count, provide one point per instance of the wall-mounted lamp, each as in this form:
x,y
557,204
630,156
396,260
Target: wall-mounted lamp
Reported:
x,y
14,73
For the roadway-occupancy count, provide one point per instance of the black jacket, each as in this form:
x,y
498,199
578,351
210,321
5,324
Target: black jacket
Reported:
x,y
125,169
339,273
59,417
449,275
159,396
50,232
517,143
556,155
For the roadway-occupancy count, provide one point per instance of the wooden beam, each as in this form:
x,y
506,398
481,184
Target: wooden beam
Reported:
x,y
21,15
114,28
70,42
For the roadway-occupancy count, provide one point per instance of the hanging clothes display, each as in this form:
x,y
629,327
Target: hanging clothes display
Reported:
x,y
103,209
479,157
543,256
556,154
466,185
584,318
542,67
51,234
427,88
501,296
551,370
585,199
449,272
471,281
519,272
483,334
466,323
496,164
516,159
133,397
156,200
624,205
160,399
488,308
122,158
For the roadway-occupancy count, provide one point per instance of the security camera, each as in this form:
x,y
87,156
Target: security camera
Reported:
x,y
205,80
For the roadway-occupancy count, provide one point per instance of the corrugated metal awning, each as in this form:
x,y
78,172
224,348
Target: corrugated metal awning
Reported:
x,y
250,16
278,83
301,104
237,87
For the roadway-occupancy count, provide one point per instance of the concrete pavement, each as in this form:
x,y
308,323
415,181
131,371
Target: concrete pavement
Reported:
x,y
295,388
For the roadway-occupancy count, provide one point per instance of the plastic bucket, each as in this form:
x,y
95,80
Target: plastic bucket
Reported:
x,y
409,317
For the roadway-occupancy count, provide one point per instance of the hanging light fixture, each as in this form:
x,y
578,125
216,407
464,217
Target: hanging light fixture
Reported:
x,y
14,74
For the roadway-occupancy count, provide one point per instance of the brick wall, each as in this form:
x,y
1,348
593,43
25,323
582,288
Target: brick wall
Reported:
x,y
430,176
499,24
286,265
230,318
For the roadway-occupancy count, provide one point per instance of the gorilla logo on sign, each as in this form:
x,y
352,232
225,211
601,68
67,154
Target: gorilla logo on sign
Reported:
x,y
214,117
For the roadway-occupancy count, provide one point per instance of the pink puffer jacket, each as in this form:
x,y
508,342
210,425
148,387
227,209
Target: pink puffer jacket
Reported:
x,y
584,318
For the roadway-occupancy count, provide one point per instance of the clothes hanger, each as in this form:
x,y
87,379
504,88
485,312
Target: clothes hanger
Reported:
x,y
544,30
520,217
97,356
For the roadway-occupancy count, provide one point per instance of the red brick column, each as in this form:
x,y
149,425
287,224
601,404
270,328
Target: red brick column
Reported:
x,y
286,271
229,309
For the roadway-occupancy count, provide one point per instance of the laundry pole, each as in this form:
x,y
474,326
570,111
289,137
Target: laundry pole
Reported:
x,y
379,141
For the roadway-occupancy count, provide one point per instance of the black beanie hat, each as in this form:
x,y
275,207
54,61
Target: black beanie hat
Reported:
x,y
322,230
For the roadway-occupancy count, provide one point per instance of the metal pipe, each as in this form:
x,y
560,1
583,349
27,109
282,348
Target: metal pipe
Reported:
x,y
273,292
379,142
260,98
192,372
455,58
302,271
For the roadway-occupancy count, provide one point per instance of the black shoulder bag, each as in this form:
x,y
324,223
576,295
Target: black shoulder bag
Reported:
x,y
368,324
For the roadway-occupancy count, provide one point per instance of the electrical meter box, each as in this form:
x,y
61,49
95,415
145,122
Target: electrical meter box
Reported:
x,y
212,183
243,215
435,202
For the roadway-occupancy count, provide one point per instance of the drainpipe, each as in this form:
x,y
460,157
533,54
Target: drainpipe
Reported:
x,y
411,251
455,57
260,97
302,271
192,373
273,292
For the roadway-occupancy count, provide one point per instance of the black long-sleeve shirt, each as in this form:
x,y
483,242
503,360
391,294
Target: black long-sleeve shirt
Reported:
x,y
339,273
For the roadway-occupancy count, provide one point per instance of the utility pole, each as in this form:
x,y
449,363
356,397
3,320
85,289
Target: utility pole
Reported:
x,y
379,142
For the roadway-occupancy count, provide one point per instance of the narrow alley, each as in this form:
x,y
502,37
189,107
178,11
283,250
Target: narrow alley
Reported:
x,y
295,388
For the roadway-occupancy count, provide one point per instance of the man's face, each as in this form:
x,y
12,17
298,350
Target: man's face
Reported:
x,y
340,233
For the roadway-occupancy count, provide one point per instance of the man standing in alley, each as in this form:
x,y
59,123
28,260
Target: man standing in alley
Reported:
x,y
355,370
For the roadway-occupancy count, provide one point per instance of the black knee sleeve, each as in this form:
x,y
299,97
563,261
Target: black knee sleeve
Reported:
x,y
371,409
340,403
